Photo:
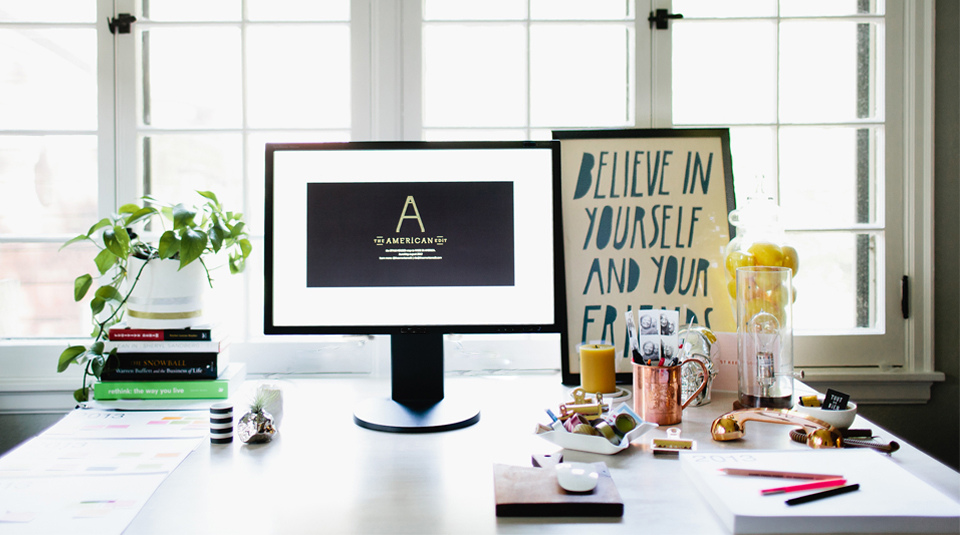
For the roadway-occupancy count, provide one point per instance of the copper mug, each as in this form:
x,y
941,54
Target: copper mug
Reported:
x,y
657,391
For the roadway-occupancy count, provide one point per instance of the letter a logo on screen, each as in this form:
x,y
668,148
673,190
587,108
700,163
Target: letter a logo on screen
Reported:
x,y
403,214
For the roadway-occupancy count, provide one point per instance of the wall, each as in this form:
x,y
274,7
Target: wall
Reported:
x,y
935,426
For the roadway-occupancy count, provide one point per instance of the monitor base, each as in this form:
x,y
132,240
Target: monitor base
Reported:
x,y
387,415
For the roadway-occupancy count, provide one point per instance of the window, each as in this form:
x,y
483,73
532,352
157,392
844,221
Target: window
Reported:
x,y
187,100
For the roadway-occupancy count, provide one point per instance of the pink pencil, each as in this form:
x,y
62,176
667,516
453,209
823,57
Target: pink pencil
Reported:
x,y
805,486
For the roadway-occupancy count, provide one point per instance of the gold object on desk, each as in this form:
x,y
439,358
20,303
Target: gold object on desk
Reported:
x,y
732,426
656,391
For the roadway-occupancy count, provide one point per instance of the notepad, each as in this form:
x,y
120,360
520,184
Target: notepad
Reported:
x,y
890,499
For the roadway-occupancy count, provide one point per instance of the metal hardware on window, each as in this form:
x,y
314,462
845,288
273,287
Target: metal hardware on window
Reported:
x,y
121,23
662,18
905,297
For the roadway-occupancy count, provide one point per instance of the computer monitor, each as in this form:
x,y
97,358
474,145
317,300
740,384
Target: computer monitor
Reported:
x,y
414,240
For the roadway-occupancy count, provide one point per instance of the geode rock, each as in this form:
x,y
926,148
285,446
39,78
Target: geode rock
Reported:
x,y
255,427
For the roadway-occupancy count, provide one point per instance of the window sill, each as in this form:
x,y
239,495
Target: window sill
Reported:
x,y
875,386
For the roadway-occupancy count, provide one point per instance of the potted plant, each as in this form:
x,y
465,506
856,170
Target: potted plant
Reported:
x,y
123,258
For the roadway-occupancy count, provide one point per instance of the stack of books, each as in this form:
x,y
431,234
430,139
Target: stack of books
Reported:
x,y
191,363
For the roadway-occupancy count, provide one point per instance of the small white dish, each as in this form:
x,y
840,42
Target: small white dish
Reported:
x,y
577,477
841,419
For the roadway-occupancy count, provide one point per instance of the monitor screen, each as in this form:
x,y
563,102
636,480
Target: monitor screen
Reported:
x,y
414,240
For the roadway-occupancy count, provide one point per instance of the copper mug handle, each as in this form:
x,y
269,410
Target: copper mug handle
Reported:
x,y
703,384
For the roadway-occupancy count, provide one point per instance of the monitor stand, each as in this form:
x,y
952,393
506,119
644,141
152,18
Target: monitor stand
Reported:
x,y
417,403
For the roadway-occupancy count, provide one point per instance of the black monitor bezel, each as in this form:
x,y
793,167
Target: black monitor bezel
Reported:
x,y
559,325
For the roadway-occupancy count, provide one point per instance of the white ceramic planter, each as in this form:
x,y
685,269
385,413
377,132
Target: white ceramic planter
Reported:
x,y
165,298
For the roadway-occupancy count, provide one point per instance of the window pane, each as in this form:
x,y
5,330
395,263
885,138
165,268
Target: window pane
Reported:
x,y
48,79
801,8
194,77
479,134
298,10
724,72
829,176
725,8
191,10
48,11
36,289
578,10
175,166
48,184
829,71
474,75
836,283
579,75
487,10
298,90
754,155
256,148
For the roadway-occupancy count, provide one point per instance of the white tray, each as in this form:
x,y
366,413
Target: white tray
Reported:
x,y
595,443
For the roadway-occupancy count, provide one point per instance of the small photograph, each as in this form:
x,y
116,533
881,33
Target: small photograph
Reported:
x,y
649,321
668,322
650,351
670,352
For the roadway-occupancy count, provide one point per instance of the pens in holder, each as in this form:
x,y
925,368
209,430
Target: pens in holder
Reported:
x,y
821,495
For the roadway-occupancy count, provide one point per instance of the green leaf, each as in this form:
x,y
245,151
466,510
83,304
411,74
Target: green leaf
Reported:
x,y
96,348
105,260
192,244
96,305
245,247
236,264
183,216
96,366
169,244
153,200
117,241
109,292
99,225
81,237
237,230
81,394
140,215
128,209
81,285
69,356
210,195
216,238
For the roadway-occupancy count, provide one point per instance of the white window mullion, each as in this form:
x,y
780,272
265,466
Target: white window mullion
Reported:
x,y
661,68
107,124
125,86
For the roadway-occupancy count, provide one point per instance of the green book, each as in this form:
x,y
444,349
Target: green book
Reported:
x,y
219,388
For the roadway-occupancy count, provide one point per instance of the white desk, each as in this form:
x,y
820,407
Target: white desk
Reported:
x,y
323,474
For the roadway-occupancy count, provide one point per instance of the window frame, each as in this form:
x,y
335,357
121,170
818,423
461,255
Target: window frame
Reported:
x,y
386,66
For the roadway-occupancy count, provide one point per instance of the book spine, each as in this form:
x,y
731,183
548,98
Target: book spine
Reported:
x,y
162,366
215,389
163,347
158,335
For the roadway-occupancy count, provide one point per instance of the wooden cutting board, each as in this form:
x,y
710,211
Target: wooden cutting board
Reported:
x,y
528,491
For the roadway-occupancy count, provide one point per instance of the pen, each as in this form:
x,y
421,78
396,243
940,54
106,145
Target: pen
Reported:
x,y
805,486
822,495
775,473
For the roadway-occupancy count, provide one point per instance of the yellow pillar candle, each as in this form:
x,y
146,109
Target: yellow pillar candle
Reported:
x,y
598,370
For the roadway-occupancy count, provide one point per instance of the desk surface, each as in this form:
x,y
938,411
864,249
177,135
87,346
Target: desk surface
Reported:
x,y
324,474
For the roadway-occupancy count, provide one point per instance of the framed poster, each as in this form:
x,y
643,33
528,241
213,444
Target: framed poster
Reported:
x,y
645,227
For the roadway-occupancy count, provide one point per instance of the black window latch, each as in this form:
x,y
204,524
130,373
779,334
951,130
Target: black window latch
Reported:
x,y
662,18
121,23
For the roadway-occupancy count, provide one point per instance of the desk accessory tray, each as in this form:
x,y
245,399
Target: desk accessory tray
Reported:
x,y
526,491
595,443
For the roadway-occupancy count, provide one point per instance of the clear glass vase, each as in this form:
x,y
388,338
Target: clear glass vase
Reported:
x,y
765,336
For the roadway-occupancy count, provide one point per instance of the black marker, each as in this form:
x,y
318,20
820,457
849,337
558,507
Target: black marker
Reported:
x,y
822,495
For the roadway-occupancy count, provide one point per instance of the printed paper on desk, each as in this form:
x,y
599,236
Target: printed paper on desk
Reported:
x,y
890,499
83,423
46,457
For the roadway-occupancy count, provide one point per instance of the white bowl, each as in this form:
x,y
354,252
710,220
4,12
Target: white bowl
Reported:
x,y
841,419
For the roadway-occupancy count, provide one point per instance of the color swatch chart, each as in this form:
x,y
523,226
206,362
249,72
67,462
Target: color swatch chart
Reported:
x,y
97,424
